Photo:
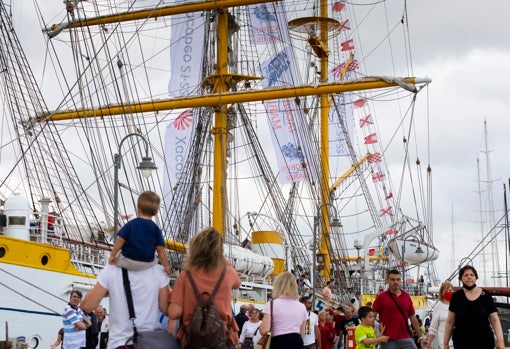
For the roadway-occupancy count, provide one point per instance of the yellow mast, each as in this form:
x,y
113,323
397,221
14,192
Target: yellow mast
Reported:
x,y
324,144
220,128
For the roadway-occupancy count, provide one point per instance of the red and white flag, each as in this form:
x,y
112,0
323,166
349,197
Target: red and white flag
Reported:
x,y
337,71
376,157
344,25
348,45
371,138
385,211
378,177
360,102
366,121
338,6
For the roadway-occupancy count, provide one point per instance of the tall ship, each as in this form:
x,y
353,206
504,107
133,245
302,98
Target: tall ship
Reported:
x,y
274,122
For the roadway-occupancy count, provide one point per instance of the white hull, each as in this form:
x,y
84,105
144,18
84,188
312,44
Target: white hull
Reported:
x,y
32,301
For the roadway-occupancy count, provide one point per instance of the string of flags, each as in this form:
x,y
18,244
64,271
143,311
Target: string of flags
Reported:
x,y
366,121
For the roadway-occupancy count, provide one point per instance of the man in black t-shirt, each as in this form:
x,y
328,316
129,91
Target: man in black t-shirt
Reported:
x,y
348,321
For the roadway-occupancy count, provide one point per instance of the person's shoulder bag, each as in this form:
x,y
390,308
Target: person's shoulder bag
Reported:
x,y
155,339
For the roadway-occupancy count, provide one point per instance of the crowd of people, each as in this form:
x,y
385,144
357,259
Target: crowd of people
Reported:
x,y
289,318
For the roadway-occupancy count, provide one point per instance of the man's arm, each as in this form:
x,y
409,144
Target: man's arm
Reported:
x,y
317,336
416,325
93,298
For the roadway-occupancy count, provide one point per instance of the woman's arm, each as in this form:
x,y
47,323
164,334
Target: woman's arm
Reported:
x,y
498,331
174,313
302,329
448,328
266,324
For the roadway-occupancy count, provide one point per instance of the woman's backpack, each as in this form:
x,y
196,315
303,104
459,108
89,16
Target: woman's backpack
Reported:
x,y
206,329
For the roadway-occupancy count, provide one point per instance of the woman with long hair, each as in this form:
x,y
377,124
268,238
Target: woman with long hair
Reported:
x,y
472,320
288,315
205,262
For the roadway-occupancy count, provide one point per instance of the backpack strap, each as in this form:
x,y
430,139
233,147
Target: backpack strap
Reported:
x,y
195,289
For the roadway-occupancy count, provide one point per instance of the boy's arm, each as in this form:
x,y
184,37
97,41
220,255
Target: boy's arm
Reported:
x,y
117,246
163,258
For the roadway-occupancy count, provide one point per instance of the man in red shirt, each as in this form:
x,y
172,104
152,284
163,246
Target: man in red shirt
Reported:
x,y
395,309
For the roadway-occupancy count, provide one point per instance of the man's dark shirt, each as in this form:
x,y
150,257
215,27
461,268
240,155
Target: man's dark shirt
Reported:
x,y
241,319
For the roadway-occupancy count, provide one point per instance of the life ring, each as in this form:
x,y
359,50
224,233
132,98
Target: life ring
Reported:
x,y
34,341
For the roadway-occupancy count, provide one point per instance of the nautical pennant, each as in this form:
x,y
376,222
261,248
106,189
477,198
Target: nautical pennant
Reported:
x,y
378,177
366,121
337,71
371,138
338,6
348,45
376,157
344,25
360,102
385,211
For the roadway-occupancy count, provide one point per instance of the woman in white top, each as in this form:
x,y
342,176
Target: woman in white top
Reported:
x,y
250,333
288,315
439,315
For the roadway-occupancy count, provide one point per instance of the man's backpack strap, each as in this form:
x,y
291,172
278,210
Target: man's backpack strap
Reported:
x,y
195,289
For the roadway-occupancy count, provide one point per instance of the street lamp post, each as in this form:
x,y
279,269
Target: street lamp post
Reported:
x,y
334,223
146,167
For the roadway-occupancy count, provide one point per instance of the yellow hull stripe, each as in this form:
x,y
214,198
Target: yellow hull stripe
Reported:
x,y
37,255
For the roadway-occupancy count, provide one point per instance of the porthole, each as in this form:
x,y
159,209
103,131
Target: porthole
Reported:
x,y
45,259
2,252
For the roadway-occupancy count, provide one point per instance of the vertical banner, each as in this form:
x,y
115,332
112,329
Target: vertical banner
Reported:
x,y
268,26
187,51
281,115
178,137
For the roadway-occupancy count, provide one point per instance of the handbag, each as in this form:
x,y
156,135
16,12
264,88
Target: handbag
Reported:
x,y
155,339
265,341
247,343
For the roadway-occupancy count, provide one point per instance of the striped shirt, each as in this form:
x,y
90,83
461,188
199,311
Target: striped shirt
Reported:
x,y
73,339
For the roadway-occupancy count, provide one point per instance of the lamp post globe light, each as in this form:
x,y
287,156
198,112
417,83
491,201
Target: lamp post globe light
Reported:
x,y
146,167
335,222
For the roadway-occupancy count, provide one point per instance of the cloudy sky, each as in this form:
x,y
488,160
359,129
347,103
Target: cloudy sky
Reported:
x,y
463,45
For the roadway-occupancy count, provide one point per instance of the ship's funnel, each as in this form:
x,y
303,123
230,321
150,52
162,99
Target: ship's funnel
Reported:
x,y
17,212
270,244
